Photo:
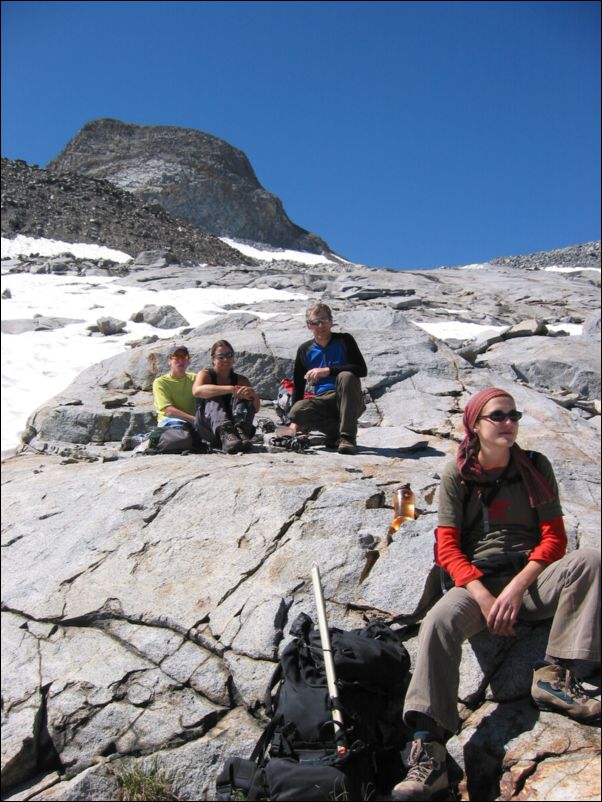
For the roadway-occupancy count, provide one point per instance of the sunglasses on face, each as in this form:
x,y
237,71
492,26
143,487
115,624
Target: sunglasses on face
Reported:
x,y
229,355
497,416
319,321
180,357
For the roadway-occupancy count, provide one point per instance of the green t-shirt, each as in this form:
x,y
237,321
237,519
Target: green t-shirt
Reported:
x,y
168,391
513,523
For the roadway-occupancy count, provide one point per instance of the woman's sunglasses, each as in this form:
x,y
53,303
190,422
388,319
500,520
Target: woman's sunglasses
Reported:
x,y
229,355
497,416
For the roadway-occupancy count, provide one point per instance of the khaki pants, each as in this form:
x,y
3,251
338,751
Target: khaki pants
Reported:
x,y
335,412
568,591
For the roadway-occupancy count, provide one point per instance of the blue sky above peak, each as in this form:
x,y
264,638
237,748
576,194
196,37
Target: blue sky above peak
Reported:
x,y
405,134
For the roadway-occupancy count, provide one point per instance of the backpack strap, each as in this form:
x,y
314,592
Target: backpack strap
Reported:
x,y
237,774
274,680
261,747
266,736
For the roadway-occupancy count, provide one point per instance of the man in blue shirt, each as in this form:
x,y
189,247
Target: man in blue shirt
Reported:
x,y
327,393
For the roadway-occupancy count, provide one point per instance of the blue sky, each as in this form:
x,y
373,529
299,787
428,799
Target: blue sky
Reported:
x,y
407,135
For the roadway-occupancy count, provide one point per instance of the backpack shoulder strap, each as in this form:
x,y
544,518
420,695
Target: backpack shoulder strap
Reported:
x,y
469,488
268,702
534,457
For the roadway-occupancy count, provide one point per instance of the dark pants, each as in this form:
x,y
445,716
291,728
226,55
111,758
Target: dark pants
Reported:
x,y
334,413
215,412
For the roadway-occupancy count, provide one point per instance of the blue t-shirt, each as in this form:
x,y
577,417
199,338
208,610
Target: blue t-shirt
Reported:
x,y
318,357
341,354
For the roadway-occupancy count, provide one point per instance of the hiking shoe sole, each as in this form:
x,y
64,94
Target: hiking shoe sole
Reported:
x,y
556,690
592,718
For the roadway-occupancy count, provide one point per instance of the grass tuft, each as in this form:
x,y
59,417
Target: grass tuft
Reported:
x,y
143,785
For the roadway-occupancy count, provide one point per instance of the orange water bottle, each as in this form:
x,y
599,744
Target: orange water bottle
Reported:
x,y
403,507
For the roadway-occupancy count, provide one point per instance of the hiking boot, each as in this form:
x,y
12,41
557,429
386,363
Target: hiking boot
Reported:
x,y
245,438
231,442
427,773
346,445
556,688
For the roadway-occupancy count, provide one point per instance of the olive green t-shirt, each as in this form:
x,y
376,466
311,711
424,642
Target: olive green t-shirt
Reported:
x,y
513,524
168,391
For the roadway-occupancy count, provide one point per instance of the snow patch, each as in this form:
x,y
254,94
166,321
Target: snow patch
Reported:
x,y
27,246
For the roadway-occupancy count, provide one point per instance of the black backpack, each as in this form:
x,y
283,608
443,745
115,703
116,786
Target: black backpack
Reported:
x,y
298,757
176,440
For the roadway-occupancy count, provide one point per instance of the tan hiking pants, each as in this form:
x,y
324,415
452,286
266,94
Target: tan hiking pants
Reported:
x,y
568,591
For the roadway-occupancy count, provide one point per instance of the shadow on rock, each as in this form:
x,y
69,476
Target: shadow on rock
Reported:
x,y
485,750
400,452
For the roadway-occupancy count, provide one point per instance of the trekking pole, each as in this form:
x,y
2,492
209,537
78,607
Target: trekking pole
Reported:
x,y
331,680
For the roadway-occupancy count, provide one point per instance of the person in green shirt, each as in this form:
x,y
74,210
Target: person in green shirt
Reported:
x,y
172,392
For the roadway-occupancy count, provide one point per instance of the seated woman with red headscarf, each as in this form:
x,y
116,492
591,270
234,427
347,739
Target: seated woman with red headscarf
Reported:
x,y
502,541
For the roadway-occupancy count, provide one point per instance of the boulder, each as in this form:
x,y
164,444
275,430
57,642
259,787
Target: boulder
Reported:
x,y
146,599
549,363
162,317
110,325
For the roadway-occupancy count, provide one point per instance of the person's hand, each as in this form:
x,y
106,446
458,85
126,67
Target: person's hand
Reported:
x,y
315,374
244,392
504,611
482,596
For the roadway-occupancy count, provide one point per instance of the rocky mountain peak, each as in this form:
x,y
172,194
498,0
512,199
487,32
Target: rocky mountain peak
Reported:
x,y
74,208
196,177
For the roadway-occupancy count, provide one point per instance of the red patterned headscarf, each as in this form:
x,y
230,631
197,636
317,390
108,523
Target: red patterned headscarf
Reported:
x,y
538,487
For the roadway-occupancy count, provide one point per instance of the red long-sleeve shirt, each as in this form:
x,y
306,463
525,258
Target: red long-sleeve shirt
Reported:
x,y
452,559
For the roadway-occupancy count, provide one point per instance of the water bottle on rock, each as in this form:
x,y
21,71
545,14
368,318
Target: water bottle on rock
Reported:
x,y
403,507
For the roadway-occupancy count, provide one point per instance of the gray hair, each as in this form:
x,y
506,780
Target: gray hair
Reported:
x,y
318,308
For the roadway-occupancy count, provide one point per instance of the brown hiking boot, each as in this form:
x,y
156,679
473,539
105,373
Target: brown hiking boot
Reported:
x,y
556,688
231,442
346,445
427,773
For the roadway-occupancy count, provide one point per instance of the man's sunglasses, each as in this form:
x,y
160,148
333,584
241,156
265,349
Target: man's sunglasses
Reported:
x,y
318,321
229,355
180,356
497,416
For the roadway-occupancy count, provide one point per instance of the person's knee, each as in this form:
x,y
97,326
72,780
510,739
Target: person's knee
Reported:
x,y
303,413
588,560
347,379
437,624
456,616
349,387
